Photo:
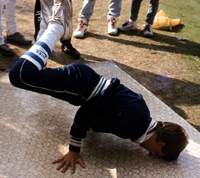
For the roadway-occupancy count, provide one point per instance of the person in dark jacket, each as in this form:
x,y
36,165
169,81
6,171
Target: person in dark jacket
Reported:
x,y
106,106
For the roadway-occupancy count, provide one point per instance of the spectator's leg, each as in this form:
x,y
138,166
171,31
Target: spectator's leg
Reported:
x,y
37,11
84,18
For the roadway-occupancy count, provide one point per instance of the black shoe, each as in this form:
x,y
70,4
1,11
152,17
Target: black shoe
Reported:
x,y
147,32
6,50
19,38
69,49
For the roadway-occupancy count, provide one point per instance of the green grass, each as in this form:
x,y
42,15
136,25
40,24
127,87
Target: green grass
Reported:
x,y
188,12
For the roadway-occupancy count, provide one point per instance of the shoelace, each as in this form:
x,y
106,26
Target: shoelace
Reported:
x,y
147,27
81,23
125,23
113,21
80,26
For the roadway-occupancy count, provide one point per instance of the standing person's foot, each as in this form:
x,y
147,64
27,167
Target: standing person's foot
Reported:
x,y
128,25
112,30
6,50
67,48
19,38
81,29
147,32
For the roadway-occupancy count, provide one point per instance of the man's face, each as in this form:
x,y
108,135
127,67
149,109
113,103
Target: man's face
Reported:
x,y
154,148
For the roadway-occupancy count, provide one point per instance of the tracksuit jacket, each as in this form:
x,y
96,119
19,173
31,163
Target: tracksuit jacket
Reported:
x,y
116,110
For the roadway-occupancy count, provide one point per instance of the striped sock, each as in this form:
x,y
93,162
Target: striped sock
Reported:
x,y
39,53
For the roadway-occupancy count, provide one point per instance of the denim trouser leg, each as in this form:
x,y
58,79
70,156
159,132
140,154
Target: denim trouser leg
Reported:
x,y
87,10
114,8
153,7
1,24
135,8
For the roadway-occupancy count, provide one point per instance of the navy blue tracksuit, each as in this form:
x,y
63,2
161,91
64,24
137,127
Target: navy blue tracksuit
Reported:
x,y
111,108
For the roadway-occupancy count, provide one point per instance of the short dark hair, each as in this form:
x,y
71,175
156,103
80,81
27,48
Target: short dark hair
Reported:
x,y
175,138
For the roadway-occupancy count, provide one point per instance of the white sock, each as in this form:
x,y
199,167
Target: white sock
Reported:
x,y
39,53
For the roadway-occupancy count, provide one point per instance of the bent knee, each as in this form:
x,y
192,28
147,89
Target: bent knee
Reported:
x,y
14,74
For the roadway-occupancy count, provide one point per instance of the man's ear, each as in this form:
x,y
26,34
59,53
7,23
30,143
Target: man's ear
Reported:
x,y
159,143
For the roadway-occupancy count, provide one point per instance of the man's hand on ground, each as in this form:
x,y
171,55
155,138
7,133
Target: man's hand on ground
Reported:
x,y
70,159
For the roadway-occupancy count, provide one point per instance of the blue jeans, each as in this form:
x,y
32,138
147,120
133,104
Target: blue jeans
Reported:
x,y
73,83
153,7
88,8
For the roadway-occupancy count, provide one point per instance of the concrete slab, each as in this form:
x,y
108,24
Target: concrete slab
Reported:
x,y
34,130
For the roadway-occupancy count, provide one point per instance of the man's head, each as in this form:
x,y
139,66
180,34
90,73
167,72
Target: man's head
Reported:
x,y
168,140
174,137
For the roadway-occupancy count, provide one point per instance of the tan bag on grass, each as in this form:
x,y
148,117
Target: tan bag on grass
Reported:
x,y
162,22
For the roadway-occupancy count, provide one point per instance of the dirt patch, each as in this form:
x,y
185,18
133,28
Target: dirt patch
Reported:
x,y
159,63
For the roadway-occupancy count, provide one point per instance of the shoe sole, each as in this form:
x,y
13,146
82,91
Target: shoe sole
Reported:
x,y
80,36
148,35
113,33
127,29
15,41
72,56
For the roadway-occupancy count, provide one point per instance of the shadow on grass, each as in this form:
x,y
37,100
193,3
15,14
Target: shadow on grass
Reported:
x,y
172,92
167,43
178,28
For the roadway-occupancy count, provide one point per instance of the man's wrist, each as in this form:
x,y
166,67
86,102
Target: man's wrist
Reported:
x,y
74,148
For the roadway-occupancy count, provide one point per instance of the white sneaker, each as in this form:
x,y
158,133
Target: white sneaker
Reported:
x,y
147,32
43,15
81,29
128,25
112,30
